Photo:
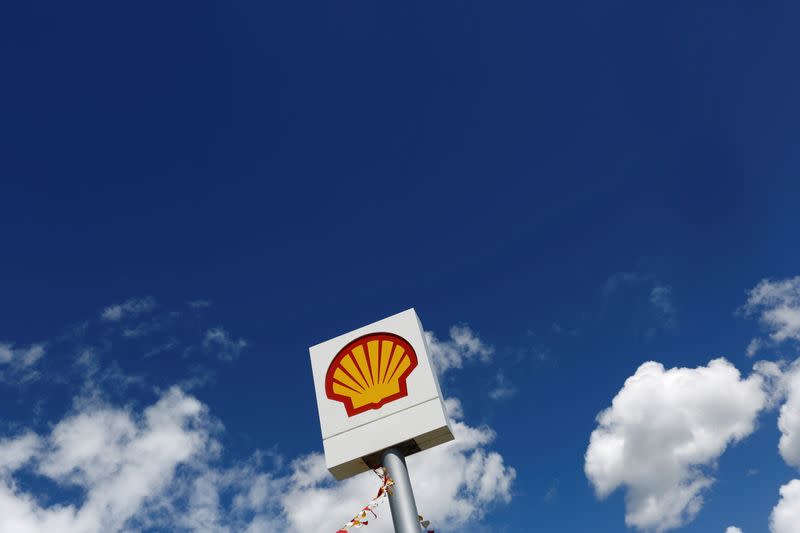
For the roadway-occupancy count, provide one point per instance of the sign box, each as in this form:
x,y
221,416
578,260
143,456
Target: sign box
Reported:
x,y
376,389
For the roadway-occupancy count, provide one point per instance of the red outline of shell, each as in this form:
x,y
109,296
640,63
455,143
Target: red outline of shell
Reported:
x,y
347,401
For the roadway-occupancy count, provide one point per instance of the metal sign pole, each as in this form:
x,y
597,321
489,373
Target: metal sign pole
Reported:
x,y
401,498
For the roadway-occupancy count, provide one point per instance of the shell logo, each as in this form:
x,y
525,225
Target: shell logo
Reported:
x,y
370,372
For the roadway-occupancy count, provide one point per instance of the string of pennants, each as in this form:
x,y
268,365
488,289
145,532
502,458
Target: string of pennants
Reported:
x,y
361,519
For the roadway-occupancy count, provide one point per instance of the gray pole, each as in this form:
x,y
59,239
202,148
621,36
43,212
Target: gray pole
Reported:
x,y
401,499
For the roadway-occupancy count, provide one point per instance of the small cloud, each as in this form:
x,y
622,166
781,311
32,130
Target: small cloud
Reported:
x,y
754,346
464,345
199,304
32,355
220,343
87,363
129,308
732,529
613,283
162,348
153,325
20,357
659,298
558,329
140,330
6,353
661,301
552,493
454,408
777,306
20,363
538,353
502,388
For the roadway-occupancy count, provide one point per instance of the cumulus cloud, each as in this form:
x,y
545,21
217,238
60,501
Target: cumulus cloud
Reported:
x,y
119,460
462,346
777,306
663,434
220,343
733,529
130,308
786,515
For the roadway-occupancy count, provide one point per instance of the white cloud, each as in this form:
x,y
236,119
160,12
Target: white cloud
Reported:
x,y
753,347
501,387
661,301
551,494
156,470
129,308
777,305
119,460
6,353
732,529
17,451
20,363
20,357
463,346
786,515
221,344
663,432
454,408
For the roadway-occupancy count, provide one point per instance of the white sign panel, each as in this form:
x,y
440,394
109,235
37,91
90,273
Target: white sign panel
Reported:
x,y
376,389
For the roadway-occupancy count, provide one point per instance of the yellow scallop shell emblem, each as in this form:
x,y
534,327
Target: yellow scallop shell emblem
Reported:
x,y
370,372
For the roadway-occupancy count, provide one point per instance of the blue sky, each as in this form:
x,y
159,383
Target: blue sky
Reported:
x,y
193,195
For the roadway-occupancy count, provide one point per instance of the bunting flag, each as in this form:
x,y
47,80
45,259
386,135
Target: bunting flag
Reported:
x,y
361,519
